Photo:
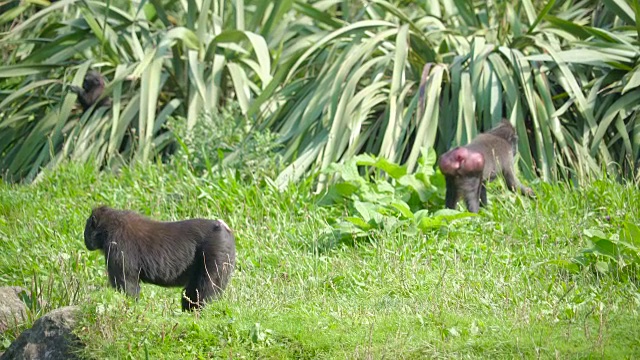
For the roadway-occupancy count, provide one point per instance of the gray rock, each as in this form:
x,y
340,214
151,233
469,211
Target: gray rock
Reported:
x,y
13,310
50,338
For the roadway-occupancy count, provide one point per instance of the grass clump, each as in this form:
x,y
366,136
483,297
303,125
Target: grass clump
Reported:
x,y
490,286
225,140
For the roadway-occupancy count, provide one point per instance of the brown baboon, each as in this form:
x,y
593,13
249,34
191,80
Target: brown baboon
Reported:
x,y
468,168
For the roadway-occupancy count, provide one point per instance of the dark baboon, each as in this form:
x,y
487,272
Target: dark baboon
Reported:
x,y
198,254
91,90
468,168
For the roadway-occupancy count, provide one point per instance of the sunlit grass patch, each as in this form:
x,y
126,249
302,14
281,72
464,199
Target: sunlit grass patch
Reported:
x,y
485,286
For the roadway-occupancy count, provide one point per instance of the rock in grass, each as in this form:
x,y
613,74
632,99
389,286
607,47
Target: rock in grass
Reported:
x,y
50,338
13,310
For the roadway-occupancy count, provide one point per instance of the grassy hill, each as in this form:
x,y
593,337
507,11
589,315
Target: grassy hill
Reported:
x,y
514,282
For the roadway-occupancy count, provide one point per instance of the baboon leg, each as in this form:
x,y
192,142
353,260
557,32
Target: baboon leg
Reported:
x,y
452,196
208,280
483,194
121,281
514,185
471,191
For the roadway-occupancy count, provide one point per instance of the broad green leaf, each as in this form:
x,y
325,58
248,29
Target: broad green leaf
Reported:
x,y
547,8
241,86
626,103
11,14
317,15
395,125
594,234
188,37
346,189
581,56
632,233
9,71
394,170
430,87
403,208
353,28
633,80
149,92
416,185
622,9
367,211
606,248
569,26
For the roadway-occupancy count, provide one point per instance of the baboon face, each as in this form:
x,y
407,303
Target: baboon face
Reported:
x,y
92,80
93,237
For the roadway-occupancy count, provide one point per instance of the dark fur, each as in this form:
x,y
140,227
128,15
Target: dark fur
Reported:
x,y
91,91
468,168
198,254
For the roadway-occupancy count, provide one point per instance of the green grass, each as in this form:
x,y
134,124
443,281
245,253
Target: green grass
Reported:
x,y
477,288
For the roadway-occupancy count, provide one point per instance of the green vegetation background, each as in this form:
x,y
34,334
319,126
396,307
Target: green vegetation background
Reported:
x,y
371,268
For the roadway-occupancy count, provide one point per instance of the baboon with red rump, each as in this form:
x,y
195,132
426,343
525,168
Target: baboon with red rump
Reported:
x,y
468,168
198,254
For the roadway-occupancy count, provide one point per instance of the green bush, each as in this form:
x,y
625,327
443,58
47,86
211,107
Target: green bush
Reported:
x,y
227,140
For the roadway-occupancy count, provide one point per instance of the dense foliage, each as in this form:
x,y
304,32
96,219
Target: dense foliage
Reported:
x,y
332,79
